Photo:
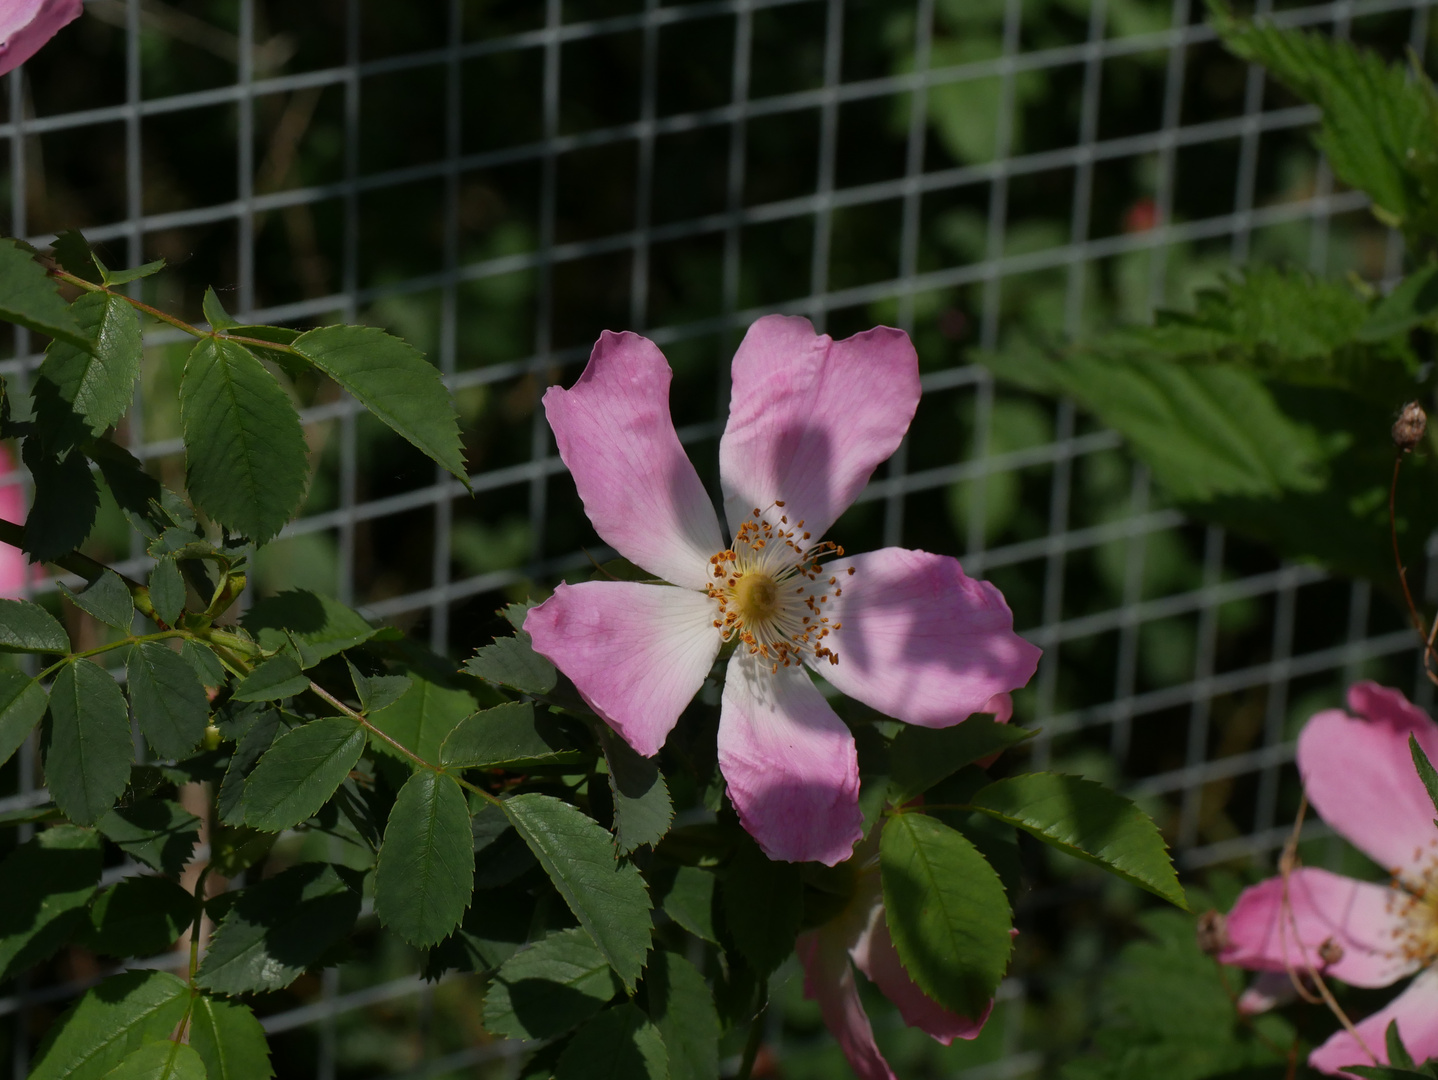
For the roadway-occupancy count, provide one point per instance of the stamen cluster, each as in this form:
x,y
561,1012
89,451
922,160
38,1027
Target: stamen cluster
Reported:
x,y
771,591
1416,937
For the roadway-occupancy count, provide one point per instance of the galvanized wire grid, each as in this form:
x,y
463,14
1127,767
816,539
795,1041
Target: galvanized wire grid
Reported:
x,y
1121,717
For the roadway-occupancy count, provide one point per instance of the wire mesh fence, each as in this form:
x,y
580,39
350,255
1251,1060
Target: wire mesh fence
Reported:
x,y
499,182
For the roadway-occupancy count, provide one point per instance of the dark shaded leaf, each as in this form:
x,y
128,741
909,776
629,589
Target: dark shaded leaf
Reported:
x,y
137,493
260,733
29,298
764,931
549,987
425,874
168,701
139,916
157,832
495,926
22,703
511,662
106,598
299,773
73,253
325,625
111,1021
688,894
66,501
682,1008
87,764
920,757
618,1044
643,811
48,880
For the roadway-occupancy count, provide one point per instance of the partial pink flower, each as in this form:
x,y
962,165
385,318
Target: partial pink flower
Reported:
x,y
1359,776
859,938
14,567
26,25
905,632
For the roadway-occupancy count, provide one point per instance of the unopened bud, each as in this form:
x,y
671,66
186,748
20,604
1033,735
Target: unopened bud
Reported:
x,y
1212,932
1408,428
1330,952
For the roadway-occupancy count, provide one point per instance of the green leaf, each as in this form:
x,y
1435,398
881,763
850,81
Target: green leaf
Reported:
x,y
643,811
1426,772
167,591
73,252
607,896
424,714
511,662
377,691
682,1008
157,832
493,929
215,313
88,762
111,1021
1397,1053
245,453
687,894
159,1060
325,625
278,677
1412,303
618,1044
425,874
1089,822
48,881
28,297
66,501
106,598
391,379
279,927
124,277
549,987
140,916
204,663
764,931
500,855
300,772
260,734
22,703
229,1040
98,379
510,736
920,757
136,492
947,912
167,698
26,627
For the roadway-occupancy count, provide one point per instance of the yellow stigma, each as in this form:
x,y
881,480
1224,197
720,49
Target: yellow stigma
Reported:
x,y
756,597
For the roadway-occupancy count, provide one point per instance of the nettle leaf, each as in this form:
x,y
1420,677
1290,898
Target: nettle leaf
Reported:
x,y
643,811
325,625
27,627
920,757
277,928
157,832
107,599
425,874
22,703
549,987
300,772
168,701
88,761
66,501
946,911
512,662
607,896
73,252
229,1040
424,715
392,379
48,881
98,380
278,677
1088,821
110,1022
764,932
245,453
139,916
159,1060
511,736
618,1044
29,298
167,591
688,895
682,1008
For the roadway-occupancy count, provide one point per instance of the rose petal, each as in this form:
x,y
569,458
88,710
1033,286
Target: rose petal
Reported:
x,y
1360,778
876,957
829,980
1415,1010
810,418
1384,705
789,762
637,653
26,26
14,567
920,641
639,488
1365,921
1268,991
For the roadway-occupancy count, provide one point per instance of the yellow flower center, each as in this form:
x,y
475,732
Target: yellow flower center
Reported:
x,y
1417,903
771,591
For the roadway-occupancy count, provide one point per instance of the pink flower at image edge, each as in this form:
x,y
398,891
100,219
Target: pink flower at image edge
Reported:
x,y
1359,775
14,567
905,632
26,25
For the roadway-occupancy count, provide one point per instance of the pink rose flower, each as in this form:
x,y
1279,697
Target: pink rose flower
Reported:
x,y
26,25
1360,777
905,632
14,567
861,934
